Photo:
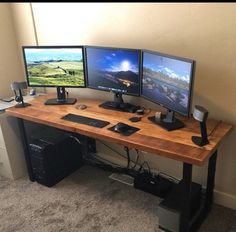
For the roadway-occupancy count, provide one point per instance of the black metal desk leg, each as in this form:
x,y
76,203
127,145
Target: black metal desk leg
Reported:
x,y
186,197
210,182
24,141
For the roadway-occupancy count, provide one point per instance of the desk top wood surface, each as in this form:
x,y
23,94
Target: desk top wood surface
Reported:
x,y
151,138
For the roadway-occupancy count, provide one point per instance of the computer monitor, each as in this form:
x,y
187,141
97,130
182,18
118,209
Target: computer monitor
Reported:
x,y
168,80
114,69
55,66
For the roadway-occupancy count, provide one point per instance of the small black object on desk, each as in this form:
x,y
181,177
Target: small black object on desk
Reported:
x,y
135,119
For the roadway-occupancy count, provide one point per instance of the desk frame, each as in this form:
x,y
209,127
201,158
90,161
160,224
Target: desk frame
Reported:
x,y
176,145
186,224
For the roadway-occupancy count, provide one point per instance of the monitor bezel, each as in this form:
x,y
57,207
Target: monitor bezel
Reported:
x,y
54,47
115,48
192,77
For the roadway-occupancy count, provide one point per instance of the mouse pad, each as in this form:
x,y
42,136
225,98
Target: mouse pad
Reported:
x,y
130,131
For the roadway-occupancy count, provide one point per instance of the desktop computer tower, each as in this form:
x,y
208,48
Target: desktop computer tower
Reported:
x,y
169,209
54,156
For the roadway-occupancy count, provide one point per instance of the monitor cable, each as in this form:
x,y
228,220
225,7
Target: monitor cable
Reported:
x,y
112,149
142,167
7,99
136,161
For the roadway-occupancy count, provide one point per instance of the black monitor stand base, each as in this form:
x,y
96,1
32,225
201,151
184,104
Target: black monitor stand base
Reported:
x,y
61,98
119,104
176,124
55,101
125,107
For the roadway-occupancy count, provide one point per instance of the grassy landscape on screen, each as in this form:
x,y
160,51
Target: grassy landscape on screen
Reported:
x,y
56,73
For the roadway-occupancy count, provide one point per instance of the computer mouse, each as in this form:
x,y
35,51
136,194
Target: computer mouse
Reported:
x,y
121,127
81,107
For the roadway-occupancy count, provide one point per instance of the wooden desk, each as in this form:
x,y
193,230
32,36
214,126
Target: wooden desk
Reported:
x,y
176,144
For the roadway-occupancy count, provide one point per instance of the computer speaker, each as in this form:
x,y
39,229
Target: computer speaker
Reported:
x,y
18,86
201,115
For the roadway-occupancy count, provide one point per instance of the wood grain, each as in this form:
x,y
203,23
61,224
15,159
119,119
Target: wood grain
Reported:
x,y
151,138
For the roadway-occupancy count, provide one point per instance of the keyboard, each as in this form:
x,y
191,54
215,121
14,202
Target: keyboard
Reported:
x,y
85,120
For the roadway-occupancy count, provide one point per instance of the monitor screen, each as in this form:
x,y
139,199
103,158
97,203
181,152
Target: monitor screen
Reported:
x,y
113,69
167,80
53,66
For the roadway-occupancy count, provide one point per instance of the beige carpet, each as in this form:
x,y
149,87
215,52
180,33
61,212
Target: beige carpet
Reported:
x,y
87,201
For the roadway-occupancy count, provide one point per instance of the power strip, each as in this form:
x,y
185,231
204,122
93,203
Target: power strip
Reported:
x,y
157,185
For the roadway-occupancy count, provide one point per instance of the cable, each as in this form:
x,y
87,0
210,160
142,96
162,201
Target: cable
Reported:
x,y
127,170
97,158
96,161
129,161
128,156
136,162
108,161
111,148
145,162
7,99
76,139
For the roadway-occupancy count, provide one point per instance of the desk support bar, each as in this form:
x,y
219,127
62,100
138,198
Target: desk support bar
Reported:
x,y
204,211
210,181
25,143
185,214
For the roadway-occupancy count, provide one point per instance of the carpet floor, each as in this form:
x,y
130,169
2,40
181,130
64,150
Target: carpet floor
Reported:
x,y
88,201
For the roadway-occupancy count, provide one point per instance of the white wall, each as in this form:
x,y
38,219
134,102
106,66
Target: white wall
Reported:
x,y
10,66
204,32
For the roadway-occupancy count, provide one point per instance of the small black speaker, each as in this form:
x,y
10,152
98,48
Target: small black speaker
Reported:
x,y
18,86
201,115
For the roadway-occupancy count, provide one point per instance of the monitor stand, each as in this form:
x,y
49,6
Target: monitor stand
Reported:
x,y
168,121
61,98
118,98
119,105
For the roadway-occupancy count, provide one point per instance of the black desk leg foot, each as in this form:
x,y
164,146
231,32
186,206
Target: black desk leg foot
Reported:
x,y
185,214
25,143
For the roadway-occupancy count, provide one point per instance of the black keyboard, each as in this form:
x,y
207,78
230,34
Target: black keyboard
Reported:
x,y
85,120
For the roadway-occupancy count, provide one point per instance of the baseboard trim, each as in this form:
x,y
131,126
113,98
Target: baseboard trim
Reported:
x,y
225,199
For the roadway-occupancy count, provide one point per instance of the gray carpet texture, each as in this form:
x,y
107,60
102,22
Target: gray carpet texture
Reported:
x,y
88,201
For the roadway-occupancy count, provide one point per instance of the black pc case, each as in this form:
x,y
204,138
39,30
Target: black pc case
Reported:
x,y
54,156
